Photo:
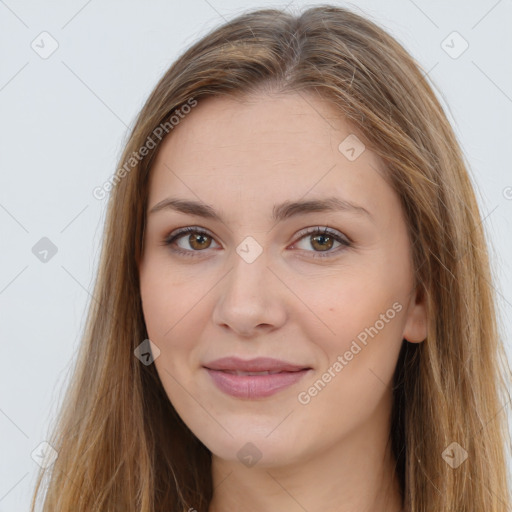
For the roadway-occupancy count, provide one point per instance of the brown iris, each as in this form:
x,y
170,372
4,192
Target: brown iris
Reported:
x,y
199,238
322,238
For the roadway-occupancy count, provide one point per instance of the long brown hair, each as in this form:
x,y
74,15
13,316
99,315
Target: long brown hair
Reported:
x,y
120,443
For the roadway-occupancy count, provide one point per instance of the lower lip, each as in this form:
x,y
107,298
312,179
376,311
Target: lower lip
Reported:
x,y
254,386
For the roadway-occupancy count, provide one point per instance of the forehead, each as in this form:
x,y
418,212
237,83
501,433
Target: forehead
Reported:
x,y
266,148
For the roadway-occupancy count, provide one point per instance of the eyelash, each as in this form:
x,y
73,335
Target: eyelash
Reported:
x,y
346,242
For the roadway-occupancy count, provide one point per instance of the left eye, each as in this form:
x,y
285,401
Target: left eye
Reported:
x,y
322,240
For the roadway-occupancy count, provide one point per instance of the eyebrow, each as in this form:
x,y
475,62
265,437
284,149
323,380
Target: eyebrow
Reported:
x,y
280,212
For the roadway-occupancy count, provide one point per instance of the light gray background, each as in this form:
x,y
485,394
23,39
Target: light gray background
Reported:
x,y
63,123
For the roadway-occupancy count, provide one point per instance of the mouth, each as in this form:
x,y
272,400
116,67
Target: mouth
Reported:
x,y
253,385
267,372
257,366
255,378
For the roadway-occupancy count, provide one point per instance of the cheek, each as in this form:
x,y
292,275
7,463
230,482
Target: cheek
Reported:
x,y
155,301
166,322
343,304
166,297
162,313
357,327
174,308
356,370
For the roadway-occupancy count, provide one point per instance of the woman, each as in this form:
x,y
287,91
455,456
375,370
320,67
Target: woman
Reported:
x,y
294,308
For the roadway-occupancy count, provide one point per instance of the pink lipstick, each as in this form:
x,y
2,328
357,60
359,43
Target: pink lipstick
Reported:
x,y
255,378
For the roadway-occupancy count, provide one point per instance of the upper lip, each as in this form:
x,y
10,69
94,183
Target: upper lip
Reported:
x,y
259,364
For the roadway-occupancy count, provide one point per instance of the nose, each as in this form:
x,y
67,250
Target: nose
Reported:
x,y
251,299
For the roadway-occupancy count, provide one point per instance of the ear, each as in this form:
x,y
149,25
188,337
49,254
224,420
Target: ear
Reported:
x,y
415,330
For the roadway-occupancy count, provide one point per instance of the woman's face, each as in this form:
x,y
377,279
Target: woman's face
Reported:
x,y
302,256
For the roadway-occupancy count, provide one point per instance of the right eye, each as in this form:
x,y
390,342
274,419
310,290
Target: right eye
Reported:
x,y
198,238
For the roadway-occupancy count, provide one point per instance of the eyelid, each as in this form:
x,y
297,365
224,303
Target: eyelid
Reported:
x,y
180,232
322,230
344,241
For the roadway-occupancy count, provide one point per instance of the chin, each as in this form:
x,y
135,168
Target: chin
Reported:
x,y
254,448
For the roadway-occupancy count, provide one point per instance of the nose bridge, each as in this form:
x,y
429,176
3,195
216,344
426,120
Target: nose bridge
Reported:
x,y
249,269
249,296
247,283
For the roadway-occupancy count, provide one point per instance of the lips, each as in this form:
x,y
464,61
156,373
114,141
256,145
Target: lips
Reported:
x,y
257,378
261,365
238,372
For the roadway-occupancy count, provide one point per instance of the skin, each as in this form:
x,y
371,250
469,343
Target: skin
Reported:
x,y
241,158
